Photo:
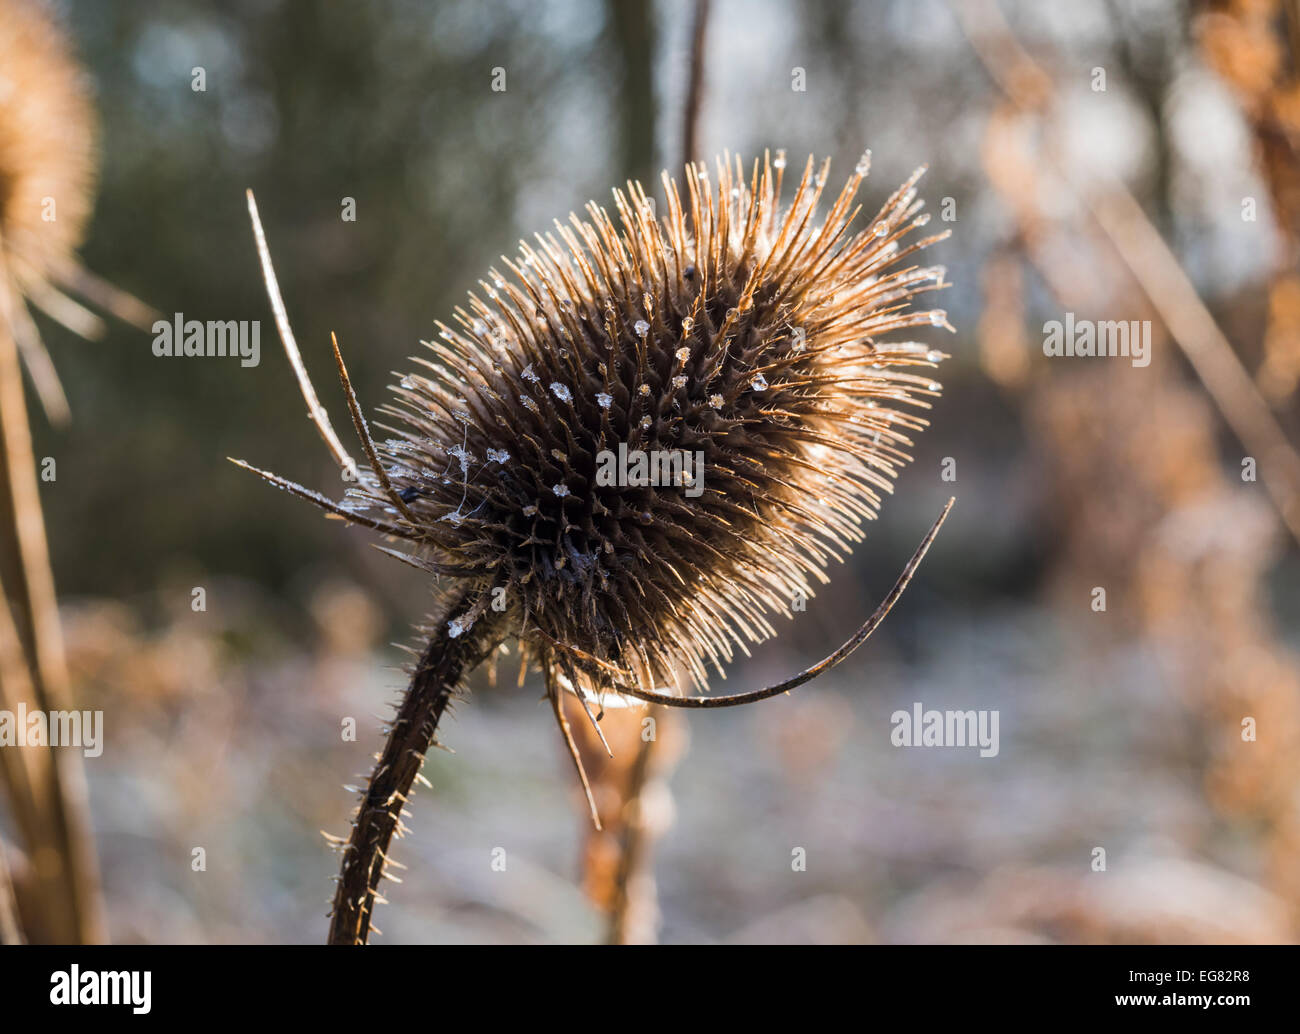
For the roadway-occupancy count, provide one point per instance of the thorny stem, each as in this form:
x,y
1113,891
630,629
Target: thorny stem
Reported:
x,y
434,683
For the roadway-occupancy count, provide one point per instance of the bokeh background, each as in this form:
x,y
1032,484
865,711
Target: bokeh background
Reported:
x,y
1119,729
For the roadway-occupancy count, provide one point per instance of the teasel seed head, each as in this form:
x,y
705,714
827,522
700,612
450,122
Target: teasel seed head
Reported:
x,y
758,335
735,329
48,169
47,138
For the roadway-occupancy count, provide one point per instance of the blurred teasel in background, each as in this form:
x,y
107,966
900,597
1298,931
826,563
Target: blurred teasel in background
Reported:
x,y
48,163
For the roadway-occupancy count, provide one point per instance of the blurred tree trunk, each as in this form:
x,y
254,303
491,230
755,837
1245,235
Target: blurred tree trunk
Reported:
x,y
632,39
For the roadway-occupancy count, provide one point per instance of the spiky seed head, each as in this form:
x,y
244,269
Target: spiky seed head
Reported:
x,y
733,328
47,139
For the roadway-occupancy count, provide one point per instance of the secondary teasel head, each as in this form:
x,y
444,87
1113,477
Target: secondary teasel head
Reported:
x,y
48,165
735,330
47,140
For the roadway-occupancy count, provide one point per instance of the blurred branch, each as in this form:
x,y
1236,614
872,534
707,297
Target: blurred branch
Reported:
x,y
695,87
36,670
637,835
1173,296
1153,266
10,930
629,784
632,29
20,769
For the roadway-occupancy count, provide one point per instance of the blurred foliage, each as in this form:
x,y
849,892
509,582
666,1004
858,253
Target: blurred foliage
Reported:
x,y
306,103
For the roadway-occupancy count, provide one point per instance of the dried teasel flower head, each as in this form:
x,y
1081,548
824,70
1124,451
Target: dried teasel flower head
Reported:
x,y
743,334
47,138
48,169
748,342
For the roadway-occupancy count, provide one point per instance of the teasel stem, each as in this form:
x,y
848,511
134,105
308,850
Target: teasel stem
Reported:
x,y
635,876
33,667
10,930
444,662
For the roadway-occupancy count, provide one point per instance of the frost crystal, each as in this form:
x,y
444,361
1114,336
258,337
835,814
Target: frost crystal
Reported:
x,y
458,451
458,626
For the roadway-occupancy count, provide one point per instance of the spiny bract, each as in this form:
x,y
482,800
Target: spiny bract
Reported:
x,y
734,328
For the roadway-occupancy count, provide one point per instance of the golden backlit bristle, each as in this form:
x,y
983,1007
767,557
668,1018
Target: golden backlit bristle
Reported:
x,y
750,332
